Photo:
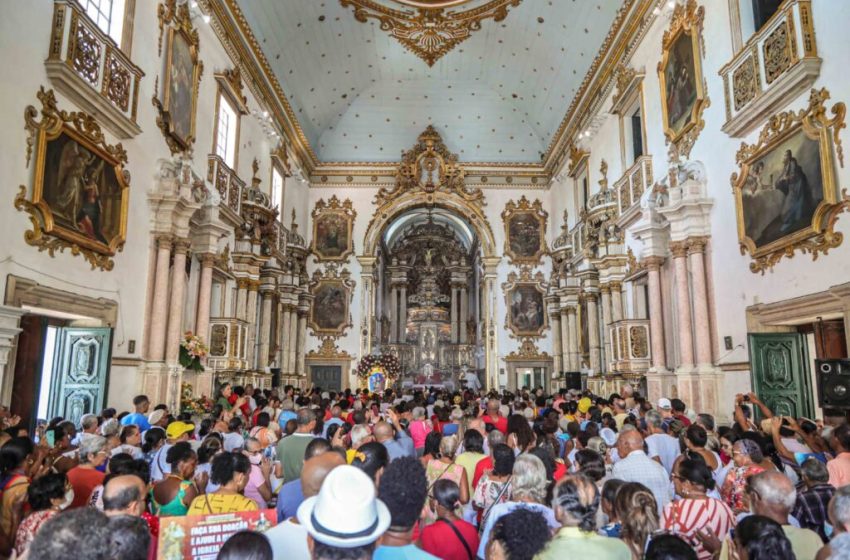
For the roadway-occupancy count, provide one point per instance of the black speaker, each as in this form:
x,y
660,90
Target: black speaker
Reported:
x,y
573,380
275,377
833,377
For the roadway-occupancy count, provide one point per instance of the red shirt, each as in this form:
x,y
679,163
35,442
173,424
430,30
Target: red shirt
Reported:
x,y
484,465
440,540
560,471
500,422
83,481
683,419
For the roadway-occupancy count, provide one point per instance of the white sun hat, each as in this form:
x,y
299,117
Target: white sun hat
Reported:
x,y
350,490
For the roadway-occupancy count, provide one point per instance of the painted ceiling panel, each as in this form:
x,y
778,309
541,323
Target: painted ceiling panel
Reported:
x,y
498,96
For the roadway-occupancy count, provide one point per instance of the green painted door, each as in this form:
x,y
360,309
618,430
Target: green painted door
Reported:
x,y
779,365
80,372
329,378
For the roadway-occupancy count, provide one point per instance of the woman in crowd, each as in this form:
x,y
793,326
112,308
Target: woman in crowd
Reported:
x,y
519,535
747,456
592,465
246,545
445,467
154,440
262,431
494,487
46,497
116,463
20,463
637,511
450,537
172,495
610,525
230,471
130,440
419,429
432,447
85,477
696,440
371,458
520,435
209,448
259,486
760,538
695,510
473,451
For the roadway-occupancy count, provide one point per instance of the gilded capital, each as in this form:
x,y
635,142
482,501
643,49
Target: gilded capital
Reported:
x,y
181,246
164,241
653,263
679,249
207,260
697,244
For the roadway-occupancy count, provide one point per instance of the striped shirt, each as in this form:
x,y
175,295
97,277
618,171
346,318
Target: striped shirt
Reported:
x,y
686,516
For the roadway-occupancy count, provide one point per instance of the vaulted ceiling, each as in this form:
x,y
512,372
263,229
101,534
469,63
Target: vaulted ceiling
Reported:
x,y
499,96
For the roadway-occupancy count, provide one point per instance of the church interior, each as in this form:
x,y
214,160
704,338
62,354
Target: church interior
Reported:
x,y
348,194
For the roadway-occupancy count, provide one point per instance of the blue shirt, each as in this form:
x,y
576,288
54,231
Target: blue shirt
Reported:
x,y
289,498
328,424
504,508
138,419
402,446
409,552
285,416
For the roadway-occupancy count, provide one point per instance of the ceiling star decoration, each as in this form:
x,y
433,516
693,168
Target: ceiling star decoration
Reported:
x,y
428,28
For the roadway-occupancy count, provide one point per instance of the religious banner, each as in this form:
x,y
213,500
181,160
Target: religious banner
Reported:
x,y
200,537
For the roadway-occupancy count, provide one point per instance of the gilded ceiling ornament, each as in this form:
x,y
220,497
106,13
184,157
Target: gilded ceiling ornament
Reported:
x,y
786,191
528,351
429,29
328,350
577,157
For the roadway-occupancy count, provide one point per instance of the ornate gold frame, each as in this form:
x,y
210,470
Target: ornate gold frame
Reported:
x,y
333,206
84,129
821,236
430,29
688,20
341,279
534,209
515,281
178,21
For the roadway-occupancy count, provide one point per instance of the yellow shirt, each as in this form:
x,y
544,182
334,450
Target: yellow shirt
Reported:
x,y
221,503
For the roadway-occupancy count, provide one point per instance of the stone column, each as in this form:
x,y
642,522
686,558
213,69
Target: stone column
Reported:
x,y
202,315
555,323
683,304
605,290
302,344
464,313
178,301
656,314
293,341
696,255
251,317
454,314
566,356
575,361
616,301
393,315
402,315
593,333
284,340
10,328
242,298
265,329
159,313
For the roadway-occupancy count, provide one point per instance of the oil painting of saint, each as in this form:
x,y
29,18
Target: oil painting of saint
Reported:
x,y
680,83
526,310
524,235
782,190
332,235
181,73
330,308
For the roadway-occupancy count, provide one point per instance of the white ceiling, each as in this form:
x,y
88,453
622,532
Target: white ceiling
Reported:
x,y
497,97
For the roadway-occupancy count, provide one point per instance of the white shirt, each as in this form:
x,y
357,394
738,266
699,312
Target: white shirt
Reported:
x,y
288,540
135,452
159,466
233,440
637,467
665,448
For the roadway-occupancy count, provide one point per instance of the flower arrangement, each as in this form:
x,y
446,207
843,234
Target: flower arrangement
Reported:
x,y
192,349
200,406
387,362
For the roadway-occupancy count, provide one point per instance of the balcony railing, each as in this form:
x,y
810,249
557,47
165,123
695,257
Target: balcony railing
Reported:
x,y
228,344
634,182
226,182
629,348
779,62
85,64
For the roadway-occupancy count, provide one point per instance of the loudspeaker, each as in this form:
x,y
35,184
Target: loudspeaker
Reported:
x,y
573,380
833,377
275,377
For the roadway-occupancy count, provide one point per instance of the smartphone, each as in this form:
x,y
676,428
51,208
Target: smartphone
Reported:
x,y
51,438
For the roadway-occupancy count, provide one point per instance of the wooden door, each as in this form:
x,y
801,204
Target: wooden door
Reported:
x,y
80,372
28,360
780,373
329,378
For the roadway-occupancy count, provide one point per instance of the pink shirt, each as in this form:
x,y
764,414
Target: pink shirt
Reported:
x,y
419,430
255,480
839,470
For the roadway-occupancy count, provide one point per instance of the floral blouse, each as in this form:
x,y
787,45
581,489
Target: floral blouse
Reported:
x,y
29,527
734,485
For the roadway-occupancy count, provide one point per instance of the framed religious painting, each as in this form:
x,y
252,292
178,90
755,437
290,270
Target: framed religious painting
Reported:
x,y
525,231
680,72
330,312
333,222
786,193
80,195
181,76
526,308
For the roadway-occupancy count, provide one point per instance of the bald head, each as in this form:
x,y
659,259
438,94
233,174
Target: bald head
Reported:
x,y
316,469
382,432
629,441
477,424
775,495
124,495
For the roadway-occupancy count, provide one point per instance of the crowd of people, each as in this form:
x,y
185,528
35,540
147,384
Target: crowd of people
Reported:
x,y
430,474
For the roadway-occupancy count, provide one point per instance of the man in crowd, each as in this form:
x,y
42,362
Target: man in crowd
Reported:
x,y
493,417
398,444
290,450
176,432
336,412
404,490
291,494
660,446
839,467
141,404
812,507
635,466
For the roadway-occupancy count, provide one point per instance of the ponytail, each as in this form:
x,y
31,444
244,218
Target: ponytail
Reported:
x,y
152,438
637,510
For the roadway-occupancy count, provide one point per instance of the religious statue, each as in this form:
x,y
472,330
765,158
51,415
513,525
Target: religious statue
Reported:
x,y
429,255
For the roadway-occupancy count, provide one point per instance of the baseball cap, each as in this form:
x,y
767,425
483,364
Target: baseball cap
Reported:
x,y
177,429
665,404
584,405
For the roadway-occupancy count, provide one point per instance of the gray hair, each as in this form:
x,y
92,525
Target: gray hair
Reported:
x,y
457,414
110,428
359,432
653,417
91,445
252,440
88,421
841,505
707,421
418,412
529,478
287,404
750,448
448,446
814,470
840,546
774,488
305,416
494,438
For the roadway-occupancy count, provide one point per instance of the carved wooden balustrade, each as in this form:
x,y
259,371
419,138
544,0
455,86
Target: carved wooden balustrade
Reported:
x,y
228,344
629,348
776,64
226,182
87,65
634,182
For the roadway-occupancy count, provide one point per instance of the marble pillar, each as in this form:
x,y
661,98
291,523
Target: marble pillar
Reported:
x,y
464,314
605,291
251,317
178,301
302,344
159,312
202,315
454,314
265,330
293,341
242,298
616,301
393,315
402,315
593,333
284,339
696,255
566,357
683,305
10,328
555,323
656,314
575,360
